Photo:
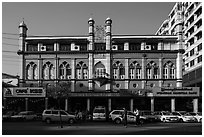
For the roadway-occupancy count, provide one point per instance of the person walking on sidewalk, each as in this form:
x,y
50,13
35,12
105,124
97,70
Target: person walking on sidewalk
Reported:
x,y
136,111
125,117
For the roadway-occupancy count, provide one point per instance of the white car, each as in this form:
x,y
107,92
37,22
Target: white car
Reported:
x,y
99,113
197,115
166,116
117,117
52,115
24,115
184,117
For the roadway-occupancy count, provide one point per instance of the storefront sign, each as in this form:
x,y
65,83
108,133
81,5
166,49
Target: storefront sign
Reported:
x,y
178,92
24,92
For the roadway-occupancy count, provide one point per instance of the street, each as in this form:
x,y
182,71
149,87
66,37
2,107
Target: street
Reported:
x,y
100,128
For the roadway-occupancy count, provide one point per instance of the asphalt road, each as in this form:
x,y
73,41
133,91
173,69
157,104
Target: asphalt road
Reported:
x,y
99,128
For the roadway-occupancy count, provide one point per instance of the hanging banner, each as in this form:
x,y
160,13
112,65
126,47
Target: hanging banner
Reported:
x,y
24,92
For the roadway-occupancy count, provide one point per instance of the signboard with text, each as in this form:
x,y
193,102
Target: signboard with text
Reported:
x,y
24,92
178,92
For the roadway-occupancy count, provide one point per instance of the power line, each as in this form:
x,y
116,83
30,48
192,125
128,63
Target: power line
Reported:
x,y
9,38
10,33
10,44
9,51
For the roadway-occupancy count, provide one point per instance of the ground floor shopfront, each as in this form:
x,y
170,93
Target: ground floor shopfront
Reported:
x,y
174,99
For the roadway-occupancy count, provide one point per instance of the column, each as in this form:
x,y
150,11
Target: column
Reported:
x,y
73,64
26,104
109,104
131,104
195,105
152,104
46,103
126,73
88,104
179,62
160,72
40,65
172,104
108,23
66,104
126,46
56,46
143,72
91,59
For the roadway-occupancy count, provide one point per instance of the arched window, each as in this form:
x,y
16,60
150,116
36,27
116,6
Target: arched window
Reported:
x,y
35,72
169,70
68,72
29,71
135,70
81,70
100,70
48,71
45,71
61,71
172,71
165,71
52,72
152,70
118,70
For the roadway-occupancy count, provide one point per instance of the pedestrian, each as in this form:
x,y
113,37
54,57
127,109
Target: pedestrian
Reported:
x,y
125,117
136,111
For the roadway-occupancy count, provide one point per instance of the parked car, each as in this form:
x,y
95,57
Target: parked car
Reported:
x,y
117,117
148,116
52,115
184,117
115,114
197,115
166,116
24,115
99,113
7,115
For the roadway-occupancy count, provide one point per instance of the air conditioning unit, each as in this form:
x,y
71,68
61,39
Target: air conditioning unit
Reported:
x,y
42,48
75,47
114,47
61,77
68,77
147,47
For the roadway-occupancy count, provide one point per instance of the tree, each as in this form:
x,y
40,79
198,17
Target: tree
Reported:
x,y
59,91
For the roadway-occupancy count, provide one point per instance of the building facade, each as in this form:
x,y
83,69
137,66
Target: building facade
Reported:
x,y
191,18
115,71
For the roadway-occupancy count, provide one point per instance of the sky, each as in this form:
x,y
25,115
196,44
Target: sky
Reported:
x,y
69,18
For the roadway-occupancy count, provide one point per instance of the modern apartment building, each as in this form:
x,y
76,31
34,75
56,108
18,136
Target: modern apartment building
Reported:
x,y
191,18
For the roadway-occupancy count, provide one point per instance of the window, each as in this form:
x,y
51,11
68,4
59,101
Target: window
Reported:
x,y
152,70
61,71
32,47
199,48
191,63
134,46
172,72
100,46
200,59
155,74
63,113
83,47
68,72
48,71
135,70
100,72
118,70
35,72
192,52
29,71
165,72
138,73
148,73
65,47
49,47
45,72
52,72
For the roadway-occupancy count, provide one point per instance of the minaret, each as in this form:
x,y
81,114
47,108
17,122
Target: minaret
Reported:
x,y
108,23
179,32
90,48
22,36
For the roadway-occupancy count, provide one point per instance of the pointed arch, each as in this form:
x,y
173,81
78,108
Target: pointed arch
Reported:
x,y
35,72
29,71
99,70
135,70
